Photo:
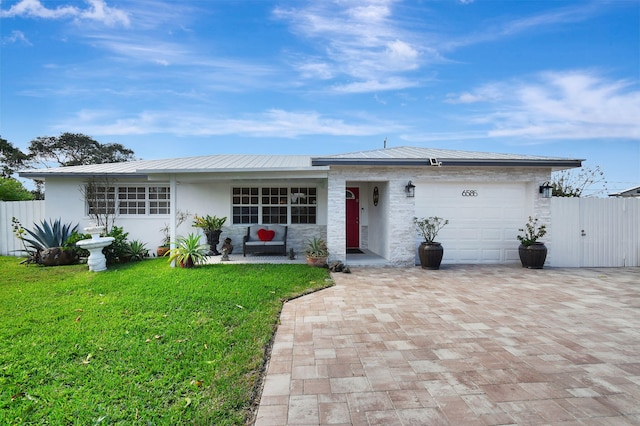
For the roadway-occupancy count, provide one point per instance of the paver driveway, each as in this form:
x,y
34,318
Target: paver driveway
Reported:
x,y
476,345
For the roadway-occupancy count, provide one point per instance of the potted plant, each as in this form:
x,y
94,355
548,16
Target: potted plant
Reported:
x,y
317,252
212,227
181,217
532,252
188,251
166,239
430,251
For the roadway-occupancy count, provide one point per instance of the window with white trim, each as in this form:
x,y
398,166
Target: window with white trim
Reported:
x,y
271,205
128,200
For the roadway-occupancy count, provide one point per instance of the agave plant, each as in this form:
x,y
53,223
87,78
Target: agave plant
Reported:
x,y
49,234
188,251
136,250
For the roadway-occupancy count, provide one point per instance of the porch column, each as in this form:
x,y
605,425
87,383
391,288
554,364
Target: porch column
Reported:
x,y
402,233
173,209
336,218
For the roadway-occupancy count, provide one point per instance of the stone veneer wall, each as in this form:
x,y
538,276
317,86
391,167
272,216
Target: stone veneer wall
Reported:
x,y
297,236
399,229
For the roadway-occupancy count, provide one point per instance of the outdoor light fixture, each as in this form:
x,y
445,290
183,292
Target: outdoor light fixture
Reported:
x,y
410,189
545,190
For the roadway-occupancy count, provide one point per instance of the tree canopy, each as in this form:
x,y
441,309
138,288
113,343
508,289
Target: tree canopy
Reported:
x,y
13,190
578,182
76,149
11,158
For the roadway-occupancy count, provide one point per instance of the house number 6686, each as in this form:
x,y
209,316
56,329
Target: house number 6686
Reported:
x,y
469,193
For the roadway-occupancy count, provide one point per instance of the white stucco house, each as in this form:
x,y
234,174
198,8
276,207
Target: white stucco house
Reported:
x,y
364,200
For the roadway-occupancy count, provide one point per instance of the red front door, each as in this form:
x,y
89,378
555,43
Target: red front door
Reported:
x,y
353,217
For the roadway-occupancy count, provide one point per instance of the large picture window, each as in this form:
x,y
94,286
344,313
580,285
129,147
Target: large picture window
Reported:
x,y
270,205
127,200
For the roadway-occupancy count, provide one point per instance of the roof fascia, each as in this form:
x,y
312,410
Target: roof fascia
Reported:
x,y
40,175
453,162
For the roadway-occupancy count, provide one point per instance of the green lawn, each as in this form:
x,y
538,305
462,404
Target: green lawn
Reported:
x,y
140,343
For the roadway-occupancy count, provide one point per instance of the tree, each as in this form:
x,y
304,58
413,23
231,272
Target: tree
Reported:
x,y
76,149
11,158
574,182
13,190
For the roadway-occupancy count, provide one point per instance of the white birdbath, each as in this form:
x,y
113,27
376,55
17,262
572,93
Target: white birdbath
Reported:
x,y
97,262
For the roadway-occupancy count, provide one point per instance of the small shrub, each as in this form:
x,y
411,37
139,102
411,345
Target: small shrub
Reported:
x,y
136,250
117,249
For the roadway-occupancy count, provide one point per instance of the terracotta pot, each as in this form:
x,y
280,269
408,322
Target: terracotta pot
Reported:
x,y
161,251
188,263
533,256
319,262
430,255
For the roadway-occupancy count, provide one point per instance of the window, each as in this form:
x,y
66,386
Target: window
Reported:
x,y
303,205
131,200
245,205
274,205
159,202
100,199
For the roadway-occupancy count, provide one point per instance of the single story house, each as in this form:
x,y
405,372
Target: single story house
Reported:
x,y
365,200
631,192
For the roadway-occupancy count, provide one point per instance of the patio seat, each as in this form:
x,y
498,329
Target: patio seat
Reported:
x,y
266,239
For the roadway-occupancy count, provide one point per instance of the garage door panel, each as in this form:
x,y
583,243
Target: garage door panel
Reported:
x,y
483,218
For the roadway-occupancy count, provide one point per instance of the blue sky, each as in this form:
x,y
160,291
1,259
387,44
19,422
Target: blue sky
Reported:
x,y
169,78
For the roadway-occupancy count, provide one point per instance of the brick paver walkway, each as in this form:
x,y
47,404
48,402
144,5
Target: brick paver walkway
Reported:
x,y
478,345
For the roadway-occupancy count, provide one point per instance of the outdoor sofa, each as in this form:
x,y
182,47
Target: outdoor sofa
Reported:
x,y
266,239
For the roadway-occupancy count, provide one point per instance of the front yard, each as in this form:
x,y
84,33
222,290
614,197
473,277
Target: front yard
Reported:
x,y
140,343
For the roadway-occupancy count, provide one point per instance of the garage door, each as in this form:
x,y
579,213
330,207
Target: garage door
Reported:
x,y
483,219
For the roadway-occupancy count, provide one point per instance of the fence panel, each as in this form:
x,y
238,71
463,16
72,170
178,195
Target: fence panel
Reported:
x,y
595,232
27,212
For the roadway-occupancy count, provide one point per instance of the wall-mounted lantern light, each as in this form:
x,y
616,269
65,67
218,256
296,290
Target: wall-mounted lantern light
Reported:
x,y
545,190
410,189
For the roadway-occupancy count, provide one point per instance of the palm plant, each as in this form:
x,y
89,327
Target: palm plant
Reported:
x,y
188,251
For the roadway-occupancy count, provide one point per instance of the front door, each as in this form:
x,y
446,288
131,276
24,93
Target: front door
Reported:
x,y
353,217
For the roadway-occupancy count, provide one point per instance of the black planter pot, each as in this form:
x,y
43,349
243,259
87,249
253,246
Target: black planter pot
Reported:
x,y
213,239
533,256
430,255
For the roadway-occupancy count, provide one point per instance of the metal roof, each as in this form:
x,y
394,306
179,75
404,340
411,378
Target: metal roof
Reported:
x,y
242,163
412,156
202,164
631,192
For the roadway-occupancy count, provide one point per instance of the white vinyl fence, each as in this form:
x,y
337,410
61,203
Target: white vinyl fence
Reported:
x,y
595,232
27,212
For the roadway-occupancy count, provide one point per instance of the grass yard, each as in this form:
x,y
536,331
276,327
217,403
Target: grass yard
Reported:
x,y
140,343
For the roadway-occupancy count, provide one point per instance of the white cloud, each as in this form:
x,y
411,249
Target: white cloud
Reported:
x,y
394,83
97,11
356,40
270,123
16,37
559,105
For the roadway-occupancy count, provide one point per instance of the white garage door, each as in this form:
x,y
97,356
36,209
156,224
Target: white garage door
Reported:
x,y
483,219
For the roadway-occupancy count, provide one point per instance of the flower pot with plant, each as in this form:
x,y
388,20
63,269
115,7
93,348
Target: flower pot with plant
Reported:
x,y
317,252
163,248
430,251
188,251
212,228
532,252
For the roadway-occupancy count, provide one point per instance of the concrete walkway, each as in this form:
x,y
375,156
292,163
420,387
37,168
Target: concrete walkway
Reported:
x,y
466,345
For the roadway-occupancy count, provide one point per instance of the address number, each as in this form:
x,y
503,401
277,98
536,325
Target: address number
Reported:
x,y
469,193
